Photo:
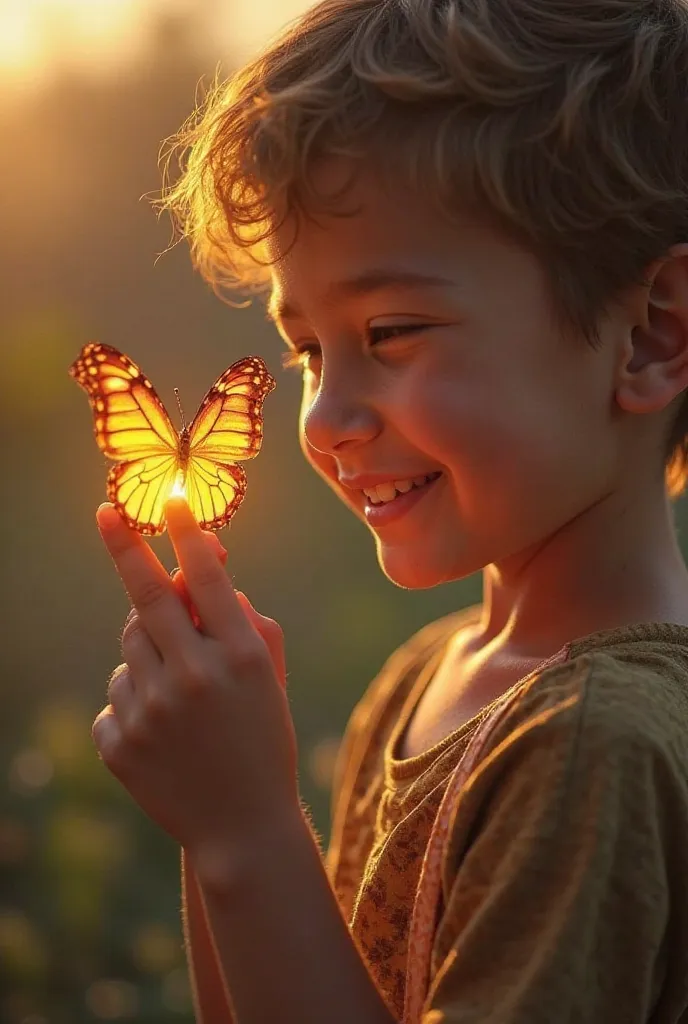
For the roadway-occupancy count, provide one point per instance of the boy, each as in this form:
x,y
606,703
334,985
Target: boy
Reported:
x,y
471,218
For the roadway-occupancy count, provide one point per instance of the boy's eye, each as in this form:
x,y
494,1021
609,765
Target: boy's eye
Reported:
x,y
385,331
300,358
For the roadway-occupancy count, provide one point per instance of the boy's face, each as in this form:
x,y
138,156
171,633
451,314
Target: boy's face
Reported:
x,y
480,386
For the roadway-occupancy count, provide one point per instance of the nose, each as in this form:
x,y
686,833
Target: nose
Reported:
x,y
340,413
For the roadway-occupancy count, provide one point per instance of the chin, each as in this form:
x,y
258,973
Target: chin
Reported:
x,y
403,567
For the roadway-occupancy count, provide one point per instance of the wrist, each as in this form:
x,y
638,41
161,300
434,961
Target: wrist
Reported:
x,y
222,864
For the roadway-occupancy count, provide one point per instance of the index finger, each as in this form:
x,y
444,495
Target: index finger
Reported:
x,y
147,582
208,584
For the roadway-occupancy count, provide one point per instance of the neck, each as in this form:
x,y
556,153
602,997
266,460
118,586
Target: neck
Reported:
x,y
615,564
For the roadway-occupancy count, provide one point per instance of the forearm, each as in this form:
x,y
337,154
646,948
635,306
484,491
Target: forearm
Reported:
x,y
211,1003
284,948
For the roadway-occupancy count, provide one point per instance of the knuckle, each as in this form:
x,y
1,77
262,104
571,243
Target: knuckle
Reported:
x,y
248,656
132,625
194,676
272,627
133,631
205,575
156,704
135,732
132,614
108,740
150,594
119,680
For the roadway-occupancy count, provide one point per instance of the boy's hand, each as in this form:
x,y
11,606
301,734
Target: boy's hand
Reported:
x,y
198,728
268,628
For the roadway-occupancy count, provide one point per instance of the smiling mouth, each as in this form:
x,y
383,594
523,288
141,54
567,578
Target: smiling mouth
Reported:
x,y
385,494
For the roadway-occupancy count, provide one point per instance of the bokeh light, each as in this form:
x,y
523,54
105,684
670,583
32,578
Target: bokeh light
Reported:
x,y
21,945
156,948
322,760
30,770
176,991
112,999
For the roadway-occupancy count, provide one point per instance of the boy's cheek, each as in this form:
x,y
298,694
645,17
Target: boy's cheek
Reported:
x,y
323,464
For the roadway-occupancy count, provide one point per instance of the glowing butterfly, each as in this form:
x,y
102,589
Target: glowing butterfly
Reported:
x,y
155,461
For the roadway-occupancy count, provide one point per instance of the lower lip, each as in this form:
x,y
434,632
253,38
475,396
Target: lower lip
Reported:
x,y
390,511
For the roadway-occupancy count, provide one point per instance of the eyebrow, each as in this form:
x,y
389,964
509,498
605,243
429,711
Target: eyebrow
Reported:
x,y
365,283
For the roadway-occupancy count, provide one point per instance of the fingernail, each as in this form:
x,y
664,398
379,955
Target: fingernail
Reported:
x,y
107,516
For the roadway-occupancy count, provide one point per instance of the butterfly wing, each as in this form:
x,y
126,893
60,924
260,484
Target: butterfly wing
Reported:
x,y
228,427
229,423
214,491
131,427
140,489
129,418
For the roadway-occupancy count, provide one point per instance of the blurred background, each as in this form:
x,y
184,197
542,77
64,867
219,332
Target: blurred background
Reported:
x,y
89,889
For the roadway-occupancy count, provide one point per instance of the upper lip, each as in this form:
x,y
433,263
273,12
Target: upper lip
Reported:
x,y
367,480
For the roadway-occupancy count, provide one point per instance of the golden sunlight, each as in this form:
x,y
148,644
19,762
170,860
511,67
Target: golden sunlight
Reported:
x,y
17,41
243,26
179,489
39,36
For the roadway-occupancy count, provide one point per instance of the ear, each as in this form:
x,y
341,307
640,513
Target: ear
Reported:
x,y
654,365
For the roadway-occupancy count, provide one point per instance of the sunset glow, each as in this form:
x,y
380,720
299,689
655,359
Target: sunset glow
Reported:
x,y
39,36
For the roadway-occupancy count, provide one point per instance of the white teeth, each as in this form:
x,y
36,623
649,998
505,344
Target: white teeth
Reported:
x,y
385,492
388,491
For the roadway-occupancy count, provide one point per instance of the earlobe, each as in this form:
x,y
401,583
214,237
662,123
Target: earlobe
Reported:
x,y
654,366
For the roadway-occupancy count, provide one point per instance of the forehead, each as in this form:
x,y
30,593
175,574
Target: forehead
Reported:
x,y
380,236
365,282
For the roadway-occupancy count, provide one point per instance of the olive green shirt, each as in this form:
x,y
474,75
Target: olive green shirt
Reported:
x,y
565,880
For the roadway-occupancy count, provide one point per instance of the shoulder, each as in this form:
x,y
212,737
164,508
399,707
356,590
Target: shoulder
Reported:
x,y
598,723
569,833
610,696
592,747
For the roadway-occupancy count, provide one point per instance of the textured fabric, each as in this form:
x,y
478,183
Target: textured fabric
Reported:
x,y
428,896
565,878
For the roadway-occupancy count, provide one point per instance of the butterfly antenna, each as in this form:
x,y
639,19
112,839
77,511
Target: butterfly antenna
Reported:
x,y
181,411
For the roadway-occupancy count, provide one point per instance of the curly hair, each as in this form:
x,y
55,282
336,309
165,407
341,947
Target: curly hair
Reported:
x,y
563,120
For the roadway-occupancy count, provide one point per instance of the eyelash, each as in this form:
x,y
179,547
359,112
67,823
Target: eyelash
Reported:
x,y
297,359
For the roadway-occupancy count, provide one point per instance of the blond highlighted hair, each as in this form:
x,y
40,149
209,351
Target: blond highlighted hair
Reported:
x,y
564,120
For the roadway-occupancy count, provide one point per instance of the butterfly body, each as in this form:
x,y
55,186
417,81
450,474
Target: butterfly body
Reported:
x,y
152,458
184,449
